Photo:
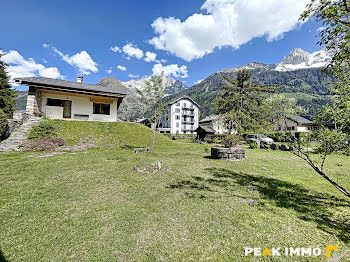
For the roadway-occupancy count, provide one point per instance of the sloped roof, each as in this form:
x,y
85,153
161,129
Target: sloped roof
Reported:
x,y
70,85
209,119
299,119
207,129
185,97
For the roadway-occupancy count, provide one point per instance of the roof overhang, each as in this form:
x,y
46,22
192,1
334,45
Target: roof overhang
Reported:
x,y
69,89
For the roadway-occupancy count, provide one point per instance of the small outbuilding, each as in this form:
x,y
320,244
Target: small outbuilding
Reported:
x,y
205,133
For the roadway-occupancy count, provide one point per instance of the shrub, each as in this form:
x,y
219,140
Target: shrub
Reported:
x,y
231,141
44,129
3,125
44,144
283,148
253,145
274,146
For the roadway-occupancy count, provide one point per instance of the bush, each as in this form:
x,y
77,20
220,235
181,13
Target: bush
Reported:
x,y
253,145
283,148
44,144
44,129
3,125
274,146
231,141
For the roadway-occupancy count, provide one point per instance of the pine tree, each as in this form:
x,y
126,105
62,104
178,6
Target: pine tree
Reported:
x,y
7,94
242,105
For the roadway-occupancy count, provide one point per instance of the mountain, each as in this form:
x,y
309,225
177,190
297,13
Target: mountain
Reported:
x,y
132,107
300,59
173,85
21,100
298,76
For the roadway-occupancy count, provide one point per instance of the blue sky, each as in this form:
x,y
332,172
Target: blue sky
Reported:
x,y
65,38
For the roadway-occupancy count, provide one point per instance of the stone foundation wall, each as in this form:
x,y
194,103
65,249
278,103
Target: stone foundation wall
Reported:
x,y
33,101
230,154
17,120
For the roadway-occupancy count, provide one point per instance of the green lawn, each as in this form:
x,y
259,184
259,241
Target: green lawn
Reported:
x,y
94,206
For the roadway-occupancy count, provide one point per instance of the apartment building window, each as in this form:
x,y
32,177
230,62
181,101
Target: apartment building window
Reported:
x,y
178,104
191,105
177,110
177,117
184,104
184,126
177,124
192,126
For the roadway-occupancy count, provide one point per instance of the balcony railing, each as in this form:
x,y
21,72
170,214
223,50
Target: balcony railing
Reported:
x,y
189,121
187,107
187,128
184,113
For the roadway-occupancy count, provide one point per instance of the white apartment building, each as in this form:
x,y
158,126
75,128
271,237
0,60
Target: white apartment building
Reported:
x,y
182,117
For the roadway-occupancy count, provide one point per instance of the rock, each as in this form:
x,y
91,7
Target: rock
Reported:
x,y
263,168
229,154
252,188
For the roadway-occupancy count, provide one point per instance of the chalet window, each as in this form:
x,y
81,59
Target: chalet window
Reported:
x,y
102,109
54,102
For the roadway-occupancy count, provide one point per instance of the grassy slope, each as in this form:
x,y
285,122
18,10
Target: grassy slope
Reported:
x,y
95,207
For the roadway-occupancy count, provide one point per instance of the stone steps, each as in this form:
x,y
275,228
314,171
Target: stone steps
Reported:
x,y
19,135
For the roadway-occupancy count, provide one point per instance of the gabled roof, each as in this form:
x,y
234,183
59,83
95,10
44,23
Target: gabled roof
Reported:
x,y
299,119
210,118
185,97
207,129
64,85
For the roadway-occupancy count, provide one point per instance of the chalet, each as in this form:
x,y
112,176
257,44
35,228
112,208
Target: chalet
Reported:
x,y
62,99
297,123
205,133
214,122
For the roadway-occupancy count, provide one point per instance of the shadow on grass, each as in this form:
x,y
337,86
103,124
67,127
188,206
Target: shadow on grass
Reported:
x,y
313,206
2,258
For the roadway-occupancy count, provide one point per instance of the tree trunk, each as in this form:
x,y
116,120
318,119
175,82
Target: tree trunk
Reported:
x,y
340,188
154,131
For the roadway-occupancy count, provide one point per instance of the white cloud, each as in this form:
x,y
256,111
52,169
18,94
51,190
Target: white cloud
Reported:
x,y
121,68
82,60
51,72
132,51
109,70
172,69
20,67
227,23
150,57
133,76
115,49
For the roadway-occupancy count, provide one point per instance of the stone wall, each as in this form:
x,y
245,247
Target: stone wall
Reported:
x,y
17,120
230,154
33,101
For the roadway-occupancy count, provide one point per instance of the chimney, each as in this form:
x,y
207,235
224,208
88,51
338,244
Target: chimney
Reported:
x,y
80,78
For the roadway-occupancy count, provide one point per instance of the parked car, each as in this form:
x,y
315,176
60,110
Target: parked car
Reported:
x,y
258,137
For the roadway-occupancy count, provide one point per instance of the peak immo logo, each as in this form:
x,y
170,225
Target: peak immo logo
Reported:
x,y
329,252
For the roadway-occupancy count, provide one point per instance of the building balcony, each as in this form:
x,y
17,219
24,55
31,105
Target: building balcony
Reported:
x,y
184,113
188,121
188,128
187,108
